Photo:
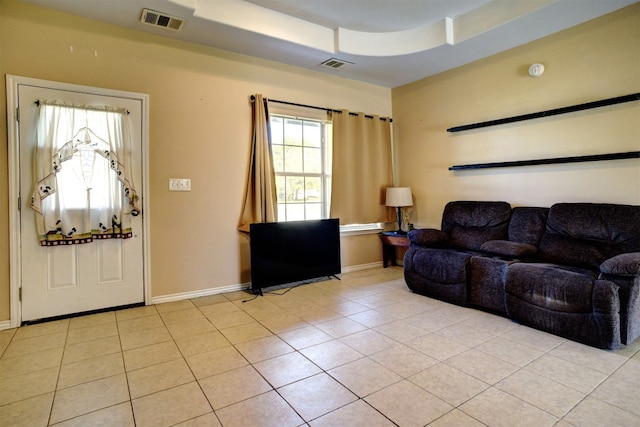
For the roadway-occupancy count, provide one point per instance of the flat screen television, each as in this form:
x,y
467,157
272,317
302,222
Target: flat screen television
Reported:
x,y
294,251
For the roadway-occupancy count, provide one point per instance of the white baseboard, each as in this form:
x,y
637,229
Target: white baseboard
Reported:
x,y
377,264
360,267
232,288
197,294
5,324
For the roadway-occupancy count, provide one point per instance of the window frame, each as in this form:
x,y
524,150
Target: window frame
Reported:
x,y
324,175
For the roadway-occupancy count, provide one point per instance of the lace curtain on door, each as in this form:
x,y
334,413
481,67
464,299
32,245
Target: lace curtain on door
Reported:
x,y
82,172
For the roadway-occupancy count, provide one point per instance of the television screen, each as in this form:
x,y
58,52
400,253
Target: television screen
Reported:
x,y
286,252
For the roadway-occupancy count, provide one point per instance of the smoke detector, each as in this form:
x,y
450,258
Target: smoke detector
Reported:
x,y
536,70
335,63
159,19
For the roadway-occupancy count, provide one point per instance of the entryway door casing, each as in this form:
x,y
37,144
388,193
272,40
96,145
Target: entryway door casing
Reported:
x,y
53,281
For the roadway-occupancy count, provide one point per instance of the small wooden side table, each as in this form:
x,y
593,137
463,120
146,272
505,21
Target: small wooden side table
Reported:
x,y
391,241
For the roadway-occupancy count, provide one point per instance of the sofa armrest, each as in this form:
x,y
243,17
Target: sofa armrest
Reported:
x,y
507,248
606,313
428,237
622,265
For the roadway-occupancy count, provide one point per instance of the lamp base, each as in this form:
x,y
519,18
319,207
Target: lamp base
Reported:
x,y
399,215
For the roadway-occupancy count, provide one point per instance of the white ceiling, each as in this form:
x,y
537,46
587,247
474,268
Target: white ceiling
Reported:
x,y
385,42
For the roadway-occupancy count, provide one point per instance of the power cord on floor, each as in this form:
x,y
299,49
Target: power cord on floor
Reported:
x,y
259,293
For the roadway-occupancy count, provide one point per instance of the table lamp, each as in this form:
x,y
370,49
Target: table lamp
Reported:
x,y
398,197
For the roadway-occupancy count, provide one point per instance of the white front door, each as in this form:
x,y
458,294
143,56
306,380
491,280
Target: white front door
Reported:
x,y
70,279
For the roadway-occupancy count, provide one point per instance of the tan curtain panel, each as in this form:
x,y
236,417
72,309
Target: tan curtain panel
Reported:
x,y
260,199
361,169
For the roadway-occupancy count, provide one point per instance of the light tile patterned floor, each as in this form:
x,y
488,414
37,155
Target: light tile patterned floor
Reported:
x,y
363,351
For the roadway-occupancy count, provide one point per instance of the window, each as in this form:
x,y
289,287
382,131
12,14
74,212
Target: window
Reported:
x,y
87,174
301,162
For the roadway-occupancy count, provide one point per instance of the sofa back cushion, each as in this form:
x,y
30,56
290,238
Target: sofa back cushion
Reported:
x,y
586,234
470,223
527,224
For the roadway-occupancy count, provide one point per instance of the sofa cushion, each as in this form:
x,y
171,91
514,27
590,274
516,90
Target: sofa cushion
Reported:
x,y
527,224
558,249
551,286
587,234
428,237
442,265
599,328
622,265
470,224
509,249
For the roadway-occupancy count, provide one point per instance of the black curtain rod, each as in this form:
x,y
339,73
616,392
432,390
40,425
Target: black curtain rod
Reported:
x,y
253,98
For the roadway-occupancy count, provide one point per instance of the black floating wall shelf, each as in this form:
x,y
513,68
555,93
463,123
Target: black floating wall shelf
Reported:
x,y
575,159
554,112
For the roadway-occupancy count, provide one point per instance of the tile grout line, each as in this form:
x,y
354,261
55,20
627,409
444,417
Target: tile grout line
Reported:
x,y
55,389
126,376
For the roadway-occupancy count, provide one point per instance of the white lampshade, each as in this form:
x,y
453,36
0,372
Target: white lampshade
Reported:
x,y
399,196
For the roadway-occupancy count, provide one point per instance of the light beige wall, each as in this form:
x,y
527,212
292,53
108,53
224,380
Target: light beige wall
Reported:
x,y
199,129
596,60
360,249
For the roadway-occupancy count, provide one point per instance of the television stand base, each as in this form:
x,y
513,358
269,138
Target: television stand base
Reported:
x,y
257,292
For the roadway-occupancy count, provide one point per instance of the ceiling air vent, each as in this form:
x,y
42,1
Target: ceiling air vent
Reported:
x,y
159,19
335,64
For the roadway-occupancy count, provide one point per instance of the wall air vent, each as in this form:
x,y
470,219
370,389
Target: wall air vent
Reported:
x,y
159,19
335,64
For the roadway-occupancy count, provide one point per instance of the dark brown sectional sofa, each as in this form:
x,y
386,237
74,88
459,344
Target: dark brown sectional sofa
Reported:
x,y
572,270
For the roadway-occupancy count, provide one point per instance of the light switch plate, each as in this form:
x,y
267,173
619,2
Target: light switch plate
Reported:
x,y
179,184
